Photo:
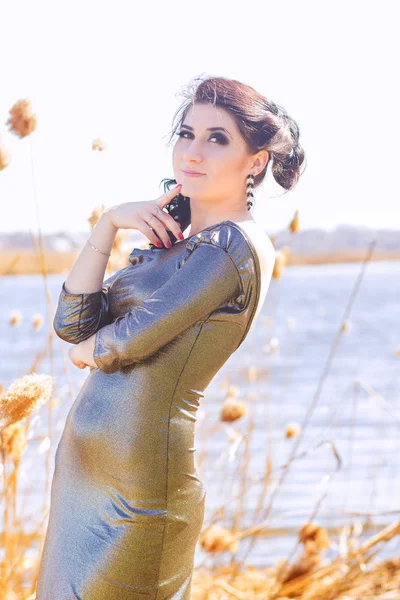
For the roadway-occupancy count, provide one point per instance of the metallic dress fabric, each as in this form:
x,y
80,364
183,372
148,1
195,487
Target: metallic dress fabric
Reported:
x,y
127,505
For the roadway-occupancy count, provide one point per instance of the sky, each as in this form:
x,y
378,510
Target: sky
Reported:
x,y
114,71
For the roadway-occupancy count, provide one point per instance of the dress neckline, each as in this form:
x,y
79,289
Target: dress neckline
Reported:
x,y
236,225
210,227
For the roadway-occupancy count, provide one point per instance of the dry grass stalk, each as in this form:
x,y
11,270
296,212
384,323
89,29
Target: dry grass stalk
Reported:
x,y
13,442
345,327
303,582
380,582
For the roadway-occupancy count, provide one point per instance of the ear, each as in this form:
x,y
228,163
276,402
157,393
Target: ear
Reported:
x,y
261,160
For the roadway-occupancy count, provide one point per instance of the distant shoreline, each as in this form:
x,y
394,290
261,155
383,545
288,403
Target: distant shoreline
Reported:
x,y
14,262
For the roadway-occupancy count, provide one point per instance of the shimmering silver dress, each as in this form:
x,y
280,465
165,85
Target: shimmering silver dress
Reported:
x,y
127,505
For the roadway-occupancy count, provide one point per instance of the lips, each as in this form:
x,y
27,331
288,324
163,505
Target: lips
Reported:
x,y
192,172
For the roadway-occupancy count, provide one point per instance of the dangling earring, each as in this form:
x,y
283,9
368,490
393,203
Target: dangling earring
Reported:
x,y
249,191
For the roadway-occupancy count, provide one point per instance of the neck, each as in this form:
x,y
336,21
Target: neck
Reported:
x,y
201,220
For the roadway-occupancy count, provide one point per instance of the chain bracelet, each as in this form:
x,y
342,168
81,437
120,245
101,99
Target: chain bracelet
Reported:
x,y
97,250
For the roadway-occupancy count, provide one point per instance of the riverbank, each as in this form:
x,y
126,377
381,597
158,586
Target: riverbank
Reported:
x,y
23,262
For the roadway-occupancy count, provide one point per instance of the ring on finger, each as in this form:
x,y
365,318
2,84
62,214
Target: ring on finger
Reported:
x,y
149,219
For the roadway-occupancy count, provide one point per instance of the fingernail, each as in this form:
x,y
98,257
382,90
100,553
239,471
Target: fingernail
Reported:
x,y
180,235
177,185
159,244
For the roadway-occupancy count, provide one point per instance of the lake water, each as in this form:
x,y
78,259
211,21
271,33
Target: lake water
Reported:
x,y
289,347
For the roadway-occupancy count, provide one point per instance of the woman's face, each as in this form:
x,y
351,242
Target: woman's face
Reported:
x,y
221,156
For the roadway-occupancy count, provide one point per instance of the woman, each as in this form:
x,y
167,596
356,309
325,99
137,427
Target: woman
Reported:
x,y
127,505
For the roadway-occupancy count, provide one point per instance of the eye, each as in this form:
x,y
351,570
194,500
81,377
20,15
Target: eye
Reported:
x,y
218,136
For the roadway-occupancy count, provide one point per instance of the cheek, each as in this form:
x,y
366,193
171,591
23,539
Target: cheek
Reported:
x,y
228,165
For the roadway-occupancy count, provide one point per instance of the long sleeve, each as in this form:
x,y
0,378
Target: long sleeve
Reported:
x,y
207,279
78,316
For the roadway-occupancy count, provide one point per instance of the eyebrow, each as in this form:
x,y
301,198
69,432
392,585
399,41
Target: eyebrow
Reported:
x,y
209,129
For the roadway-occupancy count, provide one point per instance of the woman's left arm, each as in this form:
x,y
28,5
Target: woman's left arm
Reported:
x,y
208,279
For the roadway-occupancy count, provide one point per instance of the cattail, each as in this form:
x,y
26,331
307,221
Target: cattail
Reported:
x,y
218,539
13,441
23,396
4,159
98,144
22,121
292,430
313,533
232,410
15,318
294,224
37,321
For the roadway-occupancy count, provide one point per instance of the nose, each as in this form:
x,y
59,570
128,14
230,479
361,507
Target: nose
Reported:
x,y
192,152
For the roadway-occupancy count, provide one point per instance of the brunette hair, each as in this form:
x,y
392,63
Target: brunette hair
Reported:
x,y
263,124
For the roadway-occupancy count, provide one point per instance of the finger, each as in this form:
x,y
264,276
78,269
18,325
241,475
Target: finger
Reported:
x,y
148,231
168,196
169,223
159,221
159,228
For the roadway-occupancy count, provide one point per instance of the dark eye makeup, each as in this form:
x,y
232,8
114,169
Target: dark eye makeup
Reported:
x,y
219,136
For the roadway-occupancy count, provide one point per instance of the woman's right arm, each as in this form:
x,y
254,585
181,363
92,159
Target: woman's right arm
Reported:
x,y
83,305
87,273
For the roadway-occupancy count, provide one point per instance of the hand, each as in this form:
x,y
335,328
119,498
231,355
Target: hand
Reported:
x,y
82,354
148,217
